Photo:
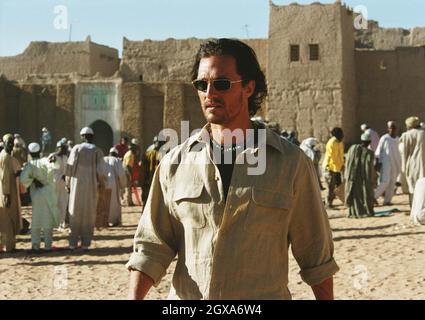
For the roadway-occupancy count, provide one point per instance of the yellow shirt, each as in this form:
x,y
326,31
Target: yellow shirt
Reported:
x,y
128,160
235,248
334,156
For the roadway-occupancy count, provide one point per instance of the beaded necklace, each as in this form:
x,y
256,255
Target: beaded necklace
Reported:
x,y
222,148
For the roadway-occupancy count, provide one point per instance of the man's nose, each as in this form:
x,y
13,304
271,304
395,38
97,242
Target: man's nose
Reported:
x,y
211,91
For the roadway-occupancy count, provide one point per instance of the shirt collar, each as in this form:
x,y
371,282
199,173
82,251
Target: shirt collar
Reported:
x,y
203,136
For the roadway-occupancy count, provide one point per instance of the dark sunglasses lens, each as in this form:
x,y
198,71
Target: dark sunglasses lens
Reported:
x,y
222,85
200,85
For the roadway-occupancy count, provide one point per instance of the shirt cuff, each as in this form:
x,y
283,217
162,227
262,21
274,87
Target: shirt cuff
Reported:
x,y
144,264
317,275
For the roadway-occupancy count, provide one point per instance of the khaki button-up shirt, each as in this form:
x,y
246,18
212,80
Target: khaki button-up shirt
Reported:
x,y
235,248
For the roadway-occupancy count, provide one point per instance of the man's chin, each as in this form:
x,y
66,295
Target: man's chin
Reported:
x,y
215,120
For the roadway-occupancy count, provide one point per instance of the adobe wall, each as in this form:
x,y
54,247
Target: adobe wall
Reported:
x,y
169,60
9,116
28,107
306,96
147,108
349,81
144,108
390,86
389,38
103,60
3,119
85,58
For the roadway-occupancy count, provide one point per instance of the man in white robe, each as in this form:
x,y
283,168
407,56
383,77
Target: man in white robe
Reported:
x,y
59,179
417,215
38,175
413,155
85,172
389,158
116,180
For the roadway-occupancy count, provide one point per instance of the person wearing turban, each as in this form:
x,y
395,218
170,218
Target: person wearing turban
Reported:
x,y
412,122
413,153
359,173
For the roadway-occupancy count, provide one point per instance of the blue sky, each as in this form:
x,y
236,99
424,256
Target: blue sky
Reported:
x,y
107,21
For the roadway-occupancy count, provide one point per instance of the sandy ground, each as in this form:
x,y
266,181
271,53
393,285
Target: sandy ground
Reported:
x,y
379,258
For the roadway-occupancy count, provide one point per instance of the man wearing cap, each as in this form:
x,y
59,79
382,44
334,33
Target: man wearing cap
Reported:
x,y
132,165
10,223
38,176
116,180
61,156
359,173
374,136
413,153
389,158
84,173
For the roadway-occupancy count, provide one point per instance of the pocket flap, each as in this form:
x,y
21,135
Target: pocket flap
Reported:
x,y
267,198
188,191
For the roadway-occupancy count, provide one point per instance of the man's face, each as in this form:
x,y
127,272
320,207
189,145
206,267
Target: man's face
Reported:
x,y
228,108
8,146
392,131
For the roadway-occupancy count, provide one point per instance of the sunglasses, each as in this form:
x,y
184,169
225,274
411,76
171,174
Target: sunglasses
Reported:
x,y
218,84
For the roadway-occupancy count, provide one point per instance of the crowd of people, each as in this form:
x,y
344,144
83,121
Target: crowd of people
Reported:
x,y
375,167
370,170
74,188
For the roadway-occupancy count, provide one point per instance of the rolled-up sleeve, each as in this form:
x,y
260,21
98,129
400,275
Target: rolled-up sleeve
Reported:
x,y
155,241
310,235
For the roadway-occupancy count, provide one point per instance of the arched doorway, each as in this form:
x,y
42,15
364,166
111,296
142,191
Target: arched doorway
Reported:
x,y
103,135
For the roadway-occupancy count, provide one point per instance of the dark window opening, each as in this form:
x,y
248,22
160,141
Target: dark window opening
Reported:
x,y
314,52
295,52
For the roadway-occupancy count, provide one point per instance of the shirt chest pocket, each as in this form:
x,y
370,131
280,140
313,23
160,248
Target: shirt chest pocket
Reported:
x,y
189,205
268,212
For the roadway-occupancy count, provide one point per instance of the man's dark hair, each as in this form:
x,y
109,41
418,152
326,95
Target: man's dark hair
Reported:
x,y
337,133
247,66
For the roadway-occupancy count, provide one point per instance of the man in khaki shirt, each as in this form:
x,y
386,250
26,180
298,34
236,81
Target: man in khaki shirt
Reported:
x,y
230,223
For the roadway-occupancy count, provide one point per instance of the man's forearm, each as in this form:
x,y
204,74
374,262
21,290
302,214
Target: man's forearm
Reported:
x,y
324,290
139,285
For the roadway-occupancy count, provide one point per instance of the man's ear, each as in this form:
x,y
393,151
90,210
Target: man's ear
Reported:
x,y
249,88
